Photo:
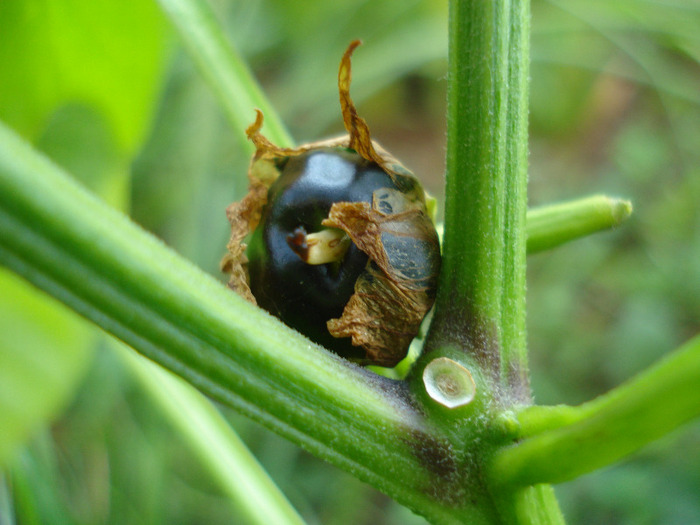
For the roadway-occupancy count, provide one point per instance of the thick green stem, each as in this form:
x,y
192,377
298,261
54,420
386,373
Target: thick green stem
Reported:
x,y
95,260
561,443
481,303
480,308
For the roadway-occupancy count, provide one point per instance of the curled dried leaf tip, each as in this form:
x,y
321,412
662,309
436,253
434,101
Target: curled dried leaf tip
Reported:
x,y
342,247
356,126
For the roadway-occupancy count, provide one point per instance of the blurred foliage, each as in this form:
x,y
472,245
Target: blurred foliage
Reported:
x,y
615,107
77,80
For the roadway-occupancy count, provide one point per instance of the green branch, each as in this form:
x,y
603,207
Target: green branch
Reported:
x,y
95,260
482,283
472,271
479,317
561,443
555,224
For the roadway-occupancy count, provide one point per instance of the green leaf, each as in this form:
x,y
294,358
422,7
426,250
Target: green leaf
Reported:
x,y
107,54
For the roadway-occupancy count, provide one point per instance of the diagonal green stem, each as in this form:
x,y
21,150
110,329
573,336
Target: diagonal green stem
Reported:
x,y
95,260
602,431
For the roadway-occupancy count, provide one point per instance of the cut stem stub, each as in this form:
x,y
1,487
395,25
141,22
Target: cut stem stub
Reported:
x,y
449,383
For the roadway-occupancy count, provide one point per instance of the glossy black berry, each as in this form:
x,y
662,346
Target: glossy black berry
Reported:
x,y
306,296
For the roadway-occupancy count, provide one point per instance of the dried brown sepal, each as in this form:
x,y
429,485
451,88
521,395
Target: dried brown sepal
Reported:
x,y
244,217
263,147
396,290
359,136
371,319
356,126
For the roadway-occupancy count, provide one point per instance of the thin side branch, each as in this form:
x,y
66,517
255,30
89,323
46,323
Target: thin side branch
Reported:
x,y
555,224
561,443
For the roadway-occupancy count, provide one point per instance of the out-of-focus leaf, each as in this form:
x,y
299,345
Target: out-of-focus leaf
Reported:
x,y
106,54
78,138
222,66
79,79
574,42
252,493
189,170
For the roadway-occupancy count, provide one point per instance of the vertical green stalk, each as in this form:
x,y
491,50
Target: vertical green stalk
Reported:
x,y
480,307
481,304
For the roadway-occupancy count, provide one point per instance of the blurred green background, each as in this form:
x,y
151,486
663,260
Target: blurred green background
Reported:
x,y
104,89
